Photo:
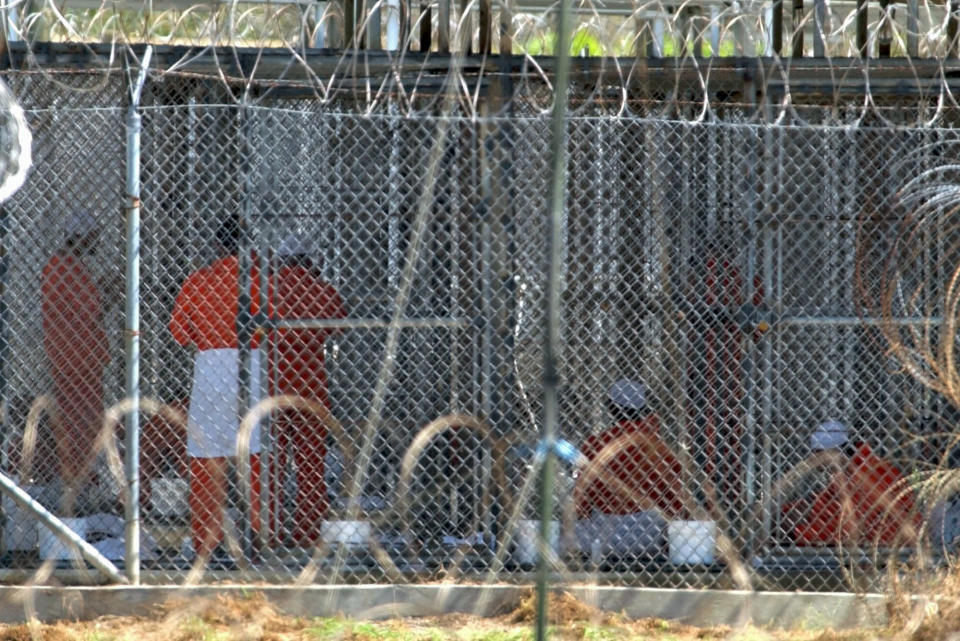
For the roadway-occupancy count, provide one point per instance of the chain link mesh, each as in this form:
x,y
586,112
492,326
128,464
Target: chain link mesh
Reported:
x,y
372,286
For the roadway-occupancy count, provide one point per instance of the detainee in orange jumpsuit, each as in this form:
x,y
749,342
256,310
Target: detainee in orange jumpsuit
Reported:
x,y
865,500
648,474
299,371
205,316
75,341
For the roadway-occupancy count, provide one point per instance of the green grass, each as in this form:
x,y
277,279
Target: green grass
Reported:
x,y
196,629
496,635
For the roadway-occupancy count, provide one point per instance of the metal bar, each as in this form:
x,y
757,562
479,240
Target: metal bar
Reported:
x,y
553,306
802,321
778,27
659,27
768,47
819,22
393,25
425,19
12,23
766,379
952,29
862,28
443,25
360,323
464,34
264,255
884,30
132,334
797,28
244,321
374,31
486,26
506,30
750,350
714,31
744,40
25,502
349,23
5,422
320,15
913,28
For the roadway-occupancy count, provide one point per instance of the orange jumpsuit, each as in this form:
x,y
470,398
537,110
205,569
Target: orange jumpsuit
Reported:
x,y
299,370
205,314
865,503
75,341
647,469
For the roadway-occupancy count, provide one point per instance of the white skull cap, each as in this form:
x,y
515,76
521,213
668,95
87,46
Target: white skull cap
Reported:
x,y
293,245
628,394
829,435
80,223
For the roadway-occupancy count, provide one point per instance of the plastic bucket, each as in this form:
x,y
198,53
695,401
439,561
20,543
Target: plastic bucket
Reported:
x,y
349,533
52,548
528,532
692,542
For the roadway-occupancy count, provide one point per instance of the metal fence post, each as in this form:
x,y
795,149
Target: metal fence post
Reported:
x,y
555,221
132,334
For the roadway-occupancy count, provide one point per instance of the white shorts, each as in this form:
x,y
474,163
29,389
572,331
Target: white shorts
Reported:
x,y
212,421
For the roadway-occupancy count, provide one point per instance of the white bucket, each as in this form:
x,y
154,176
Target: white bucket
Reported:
x,y
350,533
528,532
52,548
168,497
692,542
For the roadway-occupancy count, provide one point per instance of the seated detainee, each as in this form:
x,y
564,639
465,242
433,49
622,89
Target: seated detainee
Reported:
x,y
861,499
630,468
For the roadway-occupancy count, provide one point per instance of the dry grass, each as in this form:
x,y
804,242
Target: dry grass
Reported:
x,y
254,619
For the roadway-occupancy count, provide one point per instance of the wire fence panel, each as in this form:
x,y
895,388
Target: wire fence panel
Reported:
x,y
342,335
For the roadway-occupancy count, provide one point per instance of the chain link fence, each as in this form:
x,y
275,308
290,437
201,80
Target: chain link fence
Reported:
x,y
368,291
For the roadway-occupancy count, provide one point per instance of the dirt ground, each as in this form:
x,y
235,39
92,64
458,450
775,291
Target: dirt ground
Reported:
x,y
254,619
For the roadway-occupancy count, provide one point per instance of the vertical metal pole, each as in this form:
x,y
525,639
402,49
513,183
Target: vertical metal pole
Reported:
x,y
464,34
777,31
486,26
5,423
659,27
244,322
766,409
393,25
349,23
443,26
132,334
952,29
266,432
884,30
819,23
862,28
425,26
768,47
750,347
744,41
557,196
374,39
320,14
714,30
913,28
798,27
12,23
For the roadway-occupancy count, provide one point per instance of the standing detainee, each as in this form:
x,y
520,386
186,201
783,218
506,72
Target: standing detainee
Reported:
x,y
299,370
75,342
205,316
